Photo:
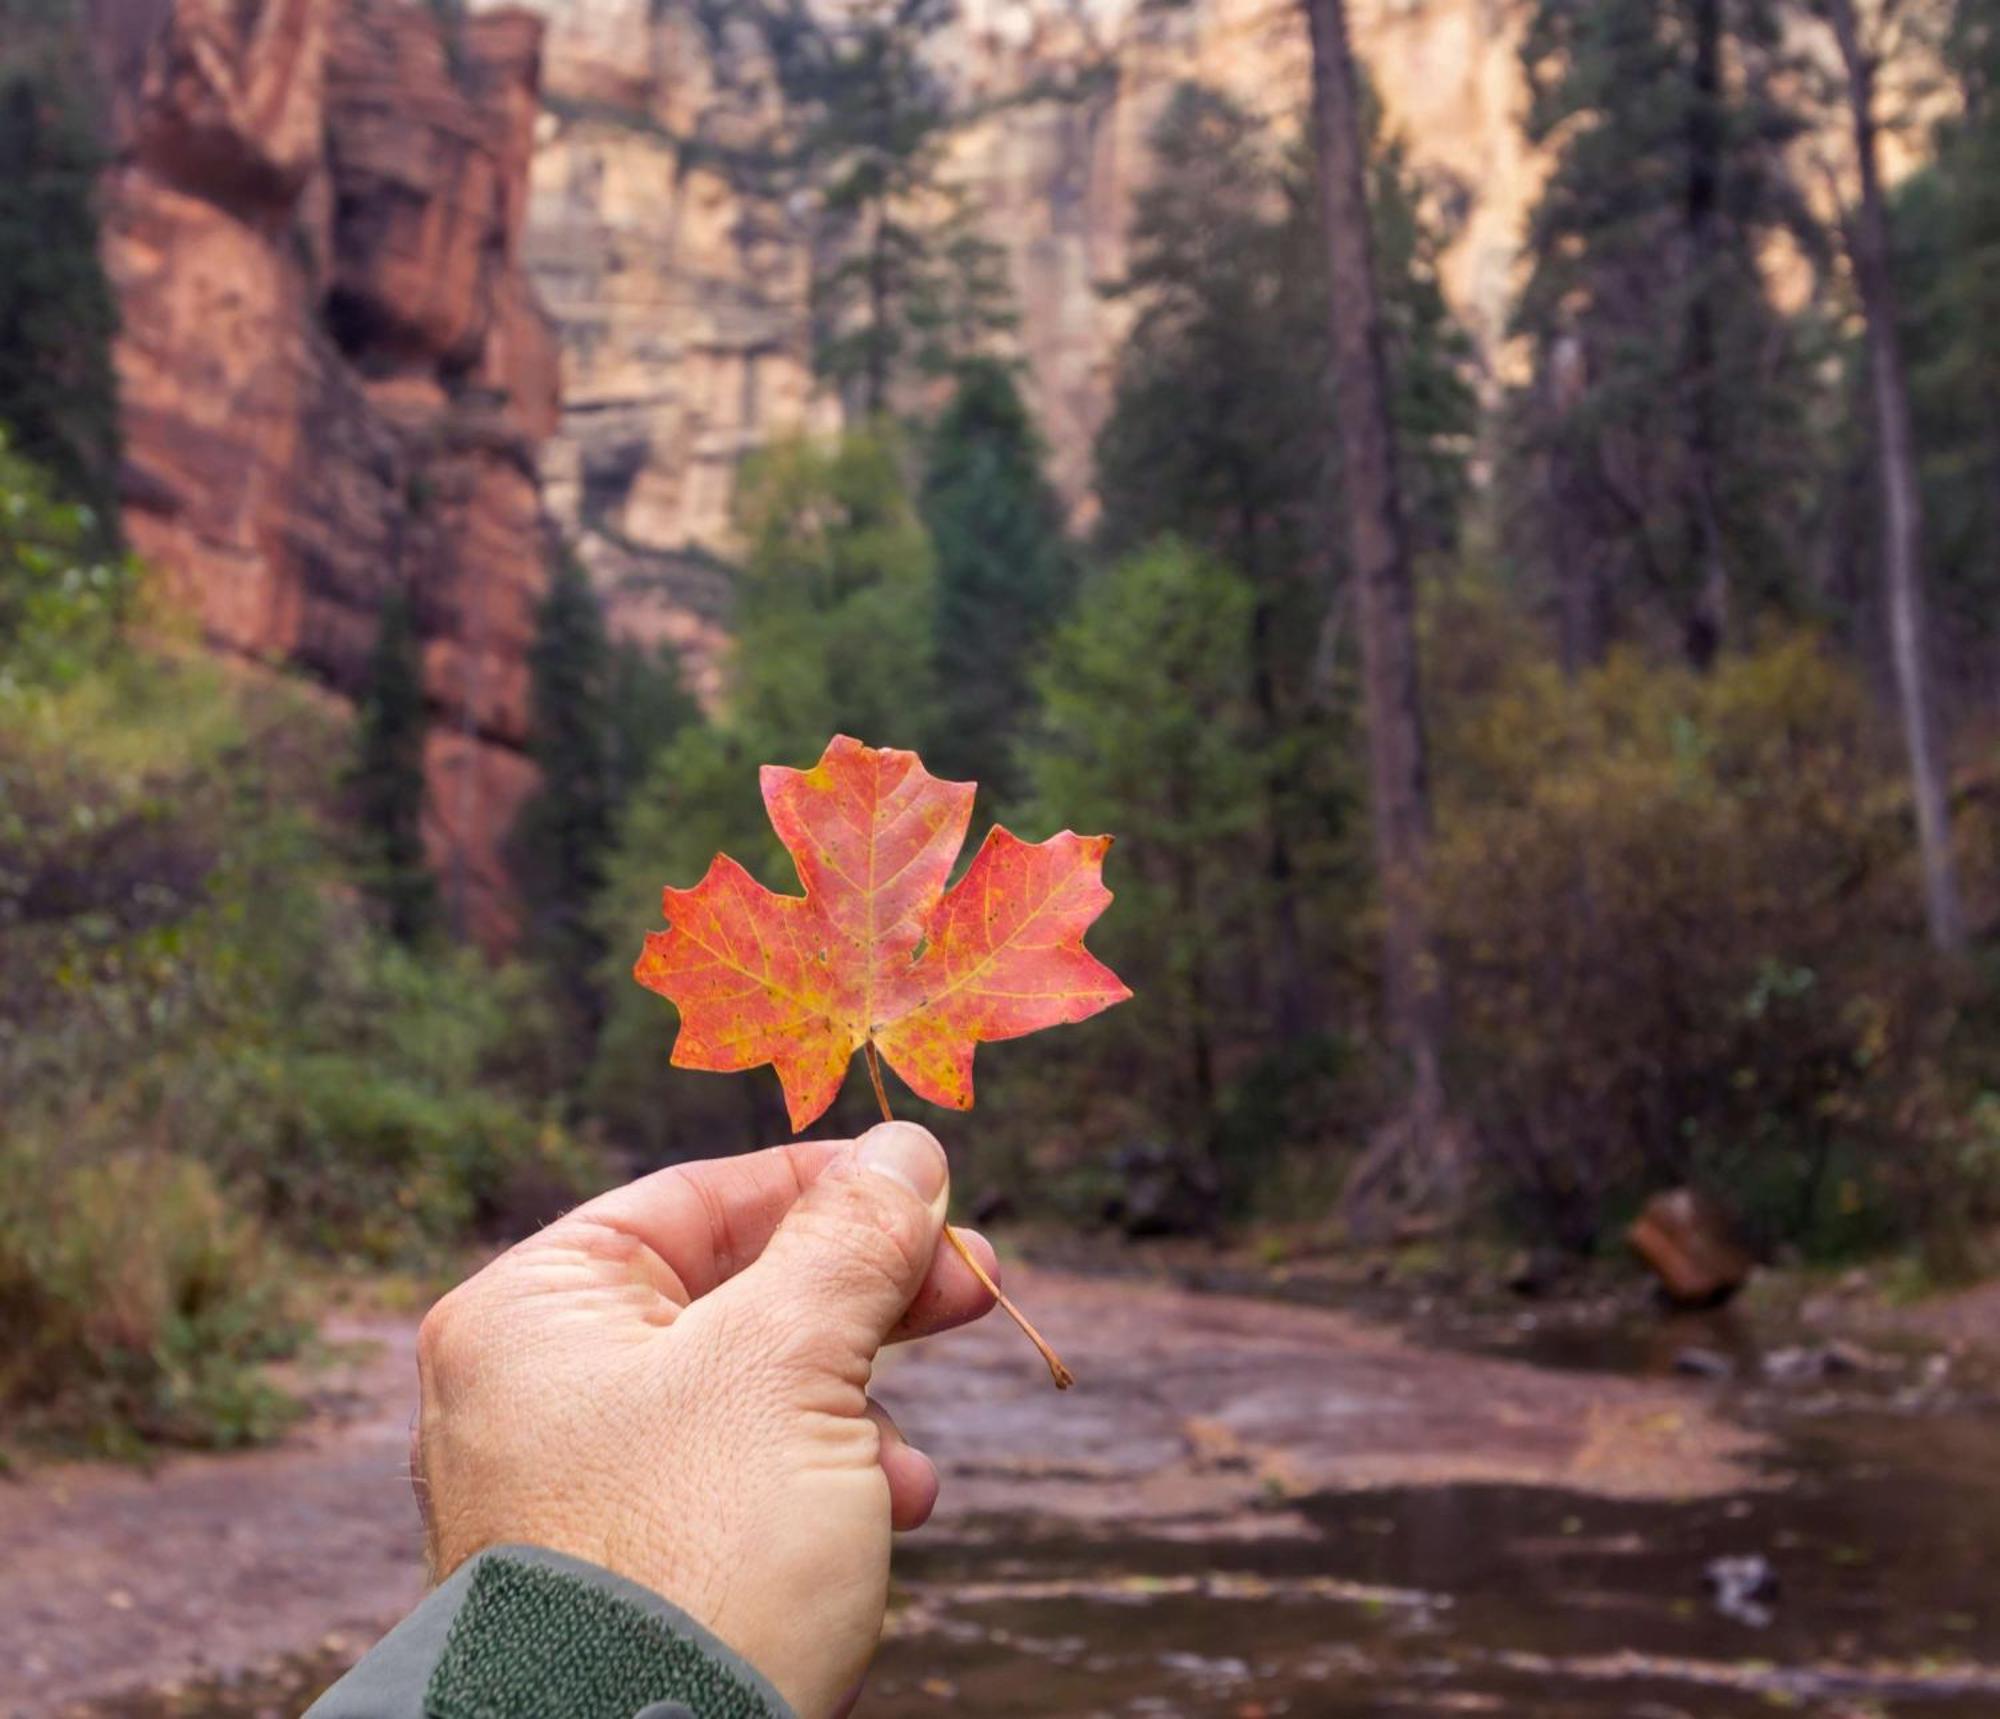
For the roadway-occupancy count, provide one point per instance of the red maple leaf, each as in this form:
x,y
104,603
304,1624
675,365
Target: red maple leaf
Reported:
x,y
877,953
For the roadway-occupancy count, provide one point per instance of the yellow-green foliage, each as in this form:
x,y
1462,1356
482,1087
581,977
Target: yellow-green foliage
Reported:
x,y
136,1301
1682,939
208,1047
60,598
186,965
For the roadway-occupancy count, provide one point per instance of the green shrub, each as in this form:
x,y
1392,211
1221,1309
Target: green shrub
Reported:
x,y
136,1303
61,595
207,1039
1683,941
398,1112
187,965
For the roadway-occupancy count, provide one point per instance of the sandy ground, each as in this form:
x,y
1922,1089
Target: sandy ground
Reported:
x,y
113,1579
1188,1406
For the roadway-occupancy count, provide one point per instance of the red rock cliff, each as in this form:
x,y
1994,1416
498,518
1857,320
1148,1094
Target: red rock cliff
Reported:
x,y
336,379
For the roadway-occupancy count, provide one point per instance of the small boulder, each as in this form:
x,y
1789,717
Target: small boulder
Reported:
x,y
1686,1239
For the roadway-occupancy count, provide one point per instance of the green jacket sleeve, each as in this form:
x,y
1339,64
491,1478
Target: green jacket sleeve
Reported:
x,y
521,1633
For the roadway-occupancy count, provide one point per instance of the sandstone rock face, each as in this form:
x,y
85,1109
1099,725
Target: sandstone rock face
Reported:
x,y
336,376
680,297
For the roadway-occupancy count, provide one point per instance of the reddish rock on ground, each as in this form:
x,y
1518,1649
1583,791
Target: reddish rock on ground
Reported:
x,y
1688,1241
336,378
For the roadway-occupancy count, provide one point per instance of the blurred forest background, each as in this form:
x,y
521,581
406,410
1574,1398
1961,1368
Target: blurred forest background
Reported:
x,y
1667,851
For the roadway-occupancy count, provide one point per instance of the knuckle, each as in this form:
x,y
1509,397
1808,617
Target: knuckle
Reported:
x,y
441,1338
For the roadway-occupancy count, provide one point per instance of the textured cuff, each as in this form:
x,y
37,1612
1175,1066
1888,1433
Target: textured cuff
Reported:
x,y
522,1633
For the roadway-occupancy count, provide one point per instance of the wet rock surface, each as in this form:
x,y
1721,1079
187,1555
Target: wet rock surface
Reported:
x,y
1244,1509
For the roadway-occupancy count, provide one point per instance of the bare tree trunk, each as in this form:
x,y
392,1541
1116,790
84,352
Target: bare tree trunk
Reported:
x,y
1582,626
1867,235
1380,551
1291,989
877,396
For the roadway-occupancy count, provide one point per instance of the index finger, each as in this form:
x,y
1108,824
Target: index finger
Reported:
x,y
709,1219
706,1221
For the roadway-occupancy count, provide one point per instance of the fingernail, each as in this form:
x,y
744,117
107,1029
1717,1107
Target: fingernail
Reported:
x,y
905,1153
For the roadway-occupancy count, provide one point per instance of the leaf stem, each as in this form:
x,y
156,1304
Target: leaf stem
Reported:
x,y
1062,1376
875,1074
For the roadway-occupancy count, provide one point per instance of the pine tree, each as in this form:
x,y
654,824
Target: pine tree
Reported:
x,y
1148,726
1946,224
1659,444
650,706
387,777
1217,428
834,635
882,117
1221,430
58,395
905,286
1004,572
560,844
837,598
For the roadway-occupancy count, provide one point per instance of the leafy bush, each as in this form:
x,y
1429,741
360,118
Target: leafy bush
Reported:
x,y
187,965
211,1048
135,1302
1683,941
60,598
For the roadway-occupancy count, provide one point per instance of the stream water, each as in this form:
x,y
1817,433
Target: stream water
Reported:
x,y
1865,1548
1884,1540
1872,1507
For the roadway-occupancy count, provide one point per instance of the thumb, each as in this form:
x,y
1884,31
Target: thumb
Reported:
x,y
848,1259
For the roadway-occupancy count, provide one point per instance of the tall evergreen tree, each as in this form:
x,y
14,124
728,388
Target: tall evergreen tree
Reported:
x,y
881,117
387,777
834,635
1659,441
650,705
1148,726
905,284
560,844
1217,427
1004,572
58,395
1946,224
1221,429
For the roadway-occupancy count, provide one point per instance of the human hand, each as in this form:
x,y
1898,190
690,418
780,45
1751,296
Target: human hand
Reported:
x,y
672,1382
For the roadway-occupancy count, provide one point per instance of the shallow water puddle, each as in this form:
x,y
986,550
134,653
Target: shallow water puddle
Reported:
x,y
1249,1510
1878,1516
1532,1603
